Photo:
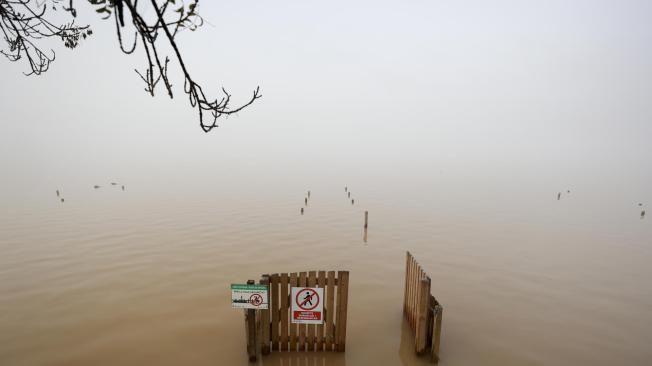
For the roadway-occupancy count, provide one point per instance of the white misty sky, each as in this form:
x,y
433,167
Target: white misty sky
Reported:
x,y
346,85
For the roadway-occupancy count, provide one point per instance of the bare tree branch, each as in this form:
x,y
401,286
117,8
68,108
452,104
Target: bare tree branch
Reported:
x,y
25,23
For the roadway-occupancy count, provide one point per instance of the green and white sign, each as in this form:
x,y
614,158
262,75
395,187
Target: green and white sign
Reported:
x,y
249,297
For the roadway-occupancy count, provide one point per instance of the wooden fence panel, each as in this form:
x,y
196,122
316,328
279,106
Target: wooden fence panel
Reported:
x,y
272,328
422,311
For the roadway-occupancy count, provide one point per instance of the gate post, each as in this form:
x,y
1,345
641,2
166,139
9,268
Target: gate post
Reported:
x,y
250,323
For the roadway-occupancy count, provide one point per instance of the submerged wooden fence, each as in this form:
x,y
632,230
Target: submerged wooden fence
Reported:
x,y
422,310
273,329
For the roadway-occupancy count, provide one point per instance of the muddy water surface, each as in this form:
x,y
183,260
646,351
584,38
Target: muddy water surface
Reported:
x,y
142,276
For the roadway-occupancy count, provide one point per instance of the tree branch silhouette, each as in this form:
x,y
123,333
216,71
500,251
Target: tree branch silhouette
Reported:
x,y
25,24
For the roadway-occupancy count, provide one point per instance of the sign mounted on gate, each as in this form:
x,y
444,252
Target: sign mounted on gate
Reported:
x,y
249,297
307,305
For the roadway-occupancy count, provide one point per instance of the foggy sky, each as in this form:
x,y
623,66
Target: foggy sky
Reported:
x,y
349,88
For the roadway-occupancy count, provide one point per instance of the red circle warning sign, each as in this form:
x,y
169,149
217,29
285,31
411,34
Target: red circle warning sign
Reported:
x,y
307,299
256,299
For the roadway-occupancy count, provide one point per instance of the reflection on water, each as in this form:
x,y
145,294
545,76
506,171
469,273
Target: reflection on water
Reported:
x,y
304,359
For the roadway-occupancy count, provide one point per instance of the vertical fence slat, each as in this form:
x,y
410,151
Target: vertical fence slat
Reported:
x,y
436,333
264,321
413,296
302,327
293,327
415,292
330,310
342,299
422,328
284,311
410,276
405,292
274,313
310,338
321,282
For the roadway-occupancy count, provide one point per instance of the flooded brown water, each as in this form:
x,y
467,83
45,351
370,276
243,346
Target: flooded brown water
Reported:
x,y
142,276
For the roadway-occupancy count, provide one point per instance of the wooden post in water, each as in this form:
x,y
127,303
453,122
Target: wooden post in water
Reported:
x,y
436,333
264,321
366,219
422,315
250,321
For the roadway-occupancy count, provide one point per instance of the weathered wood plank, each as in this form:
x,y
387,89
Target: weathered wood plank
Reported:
x,y
310,336
321,283
302,327
274,312
284,311
293,327
264,322
342,306
436,336
330,310
250,323
407,281
422,316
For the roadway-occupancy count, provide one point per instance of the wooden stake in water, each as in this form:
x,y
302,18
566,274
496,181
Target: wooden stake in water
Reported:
x,y
558,196
346,189
306,201
250,321
302,210
366,219
349,194
308,194
352,201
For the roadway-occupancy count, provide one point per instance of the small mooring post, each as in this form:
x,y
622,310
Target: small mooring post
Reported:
x,y
302,210
305,200
349,194
366,219
352,201
250,331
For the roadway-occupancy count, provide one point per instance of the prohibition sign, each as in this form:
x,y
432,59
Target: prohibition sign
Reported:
x,y
307,299
256,299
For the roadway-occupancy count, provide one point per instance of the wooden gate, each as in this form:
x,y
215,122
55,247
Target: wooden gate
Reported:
x,y
422,311
273,331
